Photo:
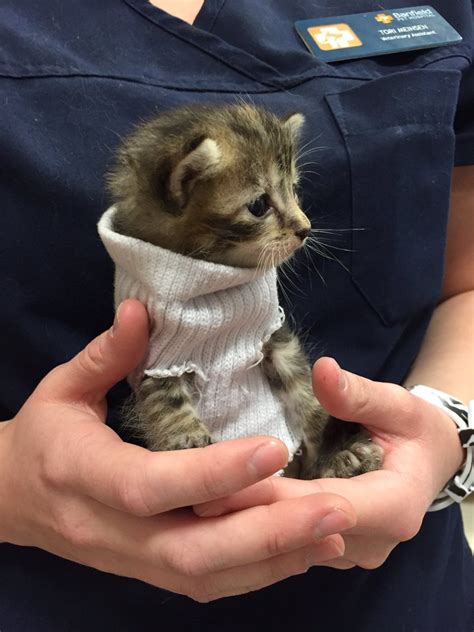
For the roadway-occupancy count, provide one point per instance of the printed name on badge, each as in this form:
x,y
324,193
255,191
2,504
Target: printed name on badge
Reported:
x,y
377,33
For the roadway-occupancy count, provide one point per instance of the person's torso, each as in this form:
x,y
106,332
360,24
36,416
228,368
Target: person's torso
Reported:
x,y
376,160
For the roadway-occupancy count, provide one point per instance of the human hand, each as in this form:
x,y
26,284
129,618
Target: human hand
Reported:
x,y
71,486
422,452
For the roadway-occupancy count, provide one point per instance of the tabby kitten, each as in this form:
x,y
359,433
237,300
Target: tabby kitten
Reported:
x,y
218,184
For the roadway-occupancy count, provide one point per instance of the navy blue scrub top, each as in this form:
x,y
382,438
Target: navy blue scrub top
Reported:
x,y
74,78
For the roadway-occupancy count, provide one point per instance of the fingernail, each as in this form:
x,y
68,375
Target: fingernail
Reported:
x,y
333,522
332,550
339,549
342,380
268,458
337,546
116,319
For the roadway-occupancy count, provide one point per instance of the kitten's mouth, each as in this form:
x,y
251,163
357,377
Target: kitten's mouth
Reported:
x,y
285,251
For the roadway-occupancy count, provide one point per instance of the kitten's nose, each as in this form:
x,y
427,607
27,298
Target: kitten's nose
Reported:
x,y
302,233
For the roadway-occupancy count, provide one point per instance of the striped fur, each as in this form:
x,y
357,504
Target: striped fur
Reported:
x,y
164,416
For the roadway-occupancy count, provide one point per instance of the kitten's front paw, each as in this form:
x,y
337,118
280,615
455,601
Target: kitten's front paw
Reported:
x,y
357,458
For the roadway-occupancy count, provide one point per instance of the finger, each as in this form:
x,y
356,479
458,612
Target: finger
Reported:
x,y
367,552
265,492
253,535
104,361
340,564
176,551
366,493
384,502
350,397
134,480
245,579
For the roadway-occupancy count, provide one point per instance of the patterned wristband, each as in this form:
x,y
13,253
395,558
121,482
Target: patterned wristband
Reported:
x,y
462,484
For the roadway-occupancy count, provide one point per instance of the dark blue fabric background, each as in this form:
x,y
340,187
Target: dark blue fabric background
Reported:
x,y
74,78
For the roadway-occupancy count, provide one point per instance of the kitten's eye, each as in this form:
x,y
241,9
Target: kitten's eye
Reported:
x,y
260,207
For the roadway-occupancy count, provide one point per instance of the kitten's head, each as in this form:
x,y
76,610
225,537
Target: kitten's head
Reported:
x,y
214,183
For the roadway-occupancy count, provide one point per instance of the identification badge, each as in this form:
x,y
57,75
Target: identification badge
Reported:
x,y
376,33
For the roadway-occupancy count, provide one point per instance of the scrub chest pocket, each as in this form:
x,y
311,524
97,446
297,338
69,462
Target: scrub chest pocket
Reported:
x,y
398,133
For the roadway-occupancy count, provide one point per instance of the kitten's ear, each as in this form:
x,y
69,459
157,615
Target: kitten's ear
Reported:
x,y
204,160
294,123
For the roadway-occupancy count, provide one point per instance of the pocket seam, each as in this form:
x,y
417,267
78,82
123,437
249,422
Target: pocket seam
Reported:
x,y
384,304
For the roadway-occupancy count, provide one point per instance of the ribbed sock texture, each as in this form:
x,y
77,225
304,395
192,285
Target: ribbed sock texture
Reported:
x,y
207,319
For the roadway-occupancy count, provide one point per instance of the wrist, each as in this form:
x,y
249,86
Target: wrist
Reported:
x,y
458,446
455,452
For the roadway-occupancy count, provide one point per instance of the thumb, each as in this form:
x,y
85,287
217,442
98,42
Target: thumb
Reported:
x,y
350,397
104,361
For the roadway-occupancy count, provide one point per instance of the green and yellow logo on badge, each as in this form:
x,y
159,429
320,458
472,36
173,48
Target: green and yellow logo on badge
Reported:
x,y
334,36
384,18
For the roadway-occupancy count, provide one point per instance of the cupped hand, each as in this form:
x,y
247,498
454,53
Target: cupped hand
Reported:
x,y
71,486
422,452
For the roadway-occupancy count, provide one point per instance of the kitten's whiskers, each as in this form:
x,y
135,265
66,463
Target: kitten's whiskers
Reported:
x,y
323,250
263,259
287,268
